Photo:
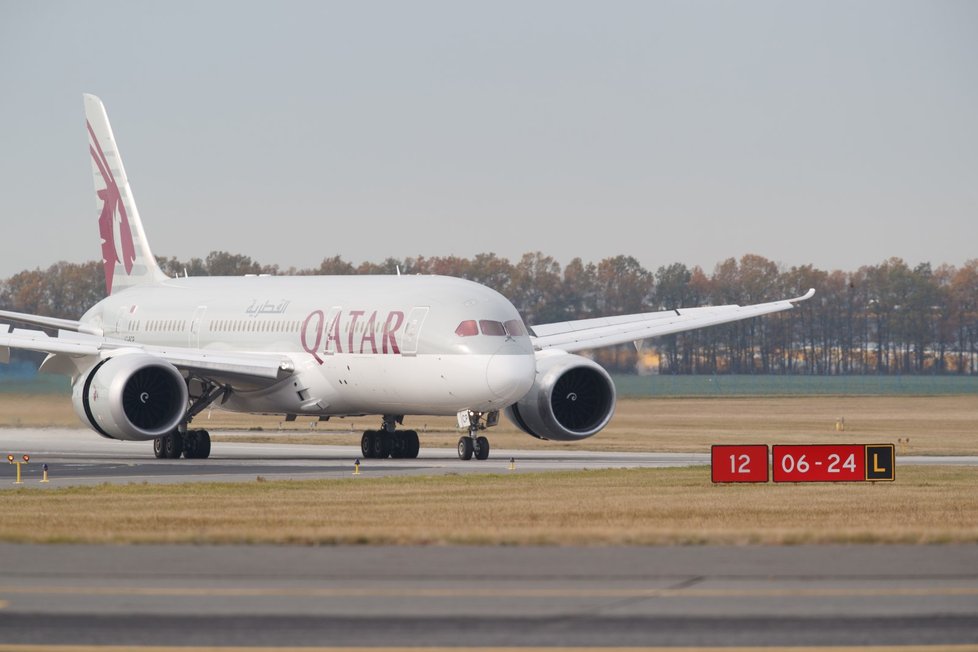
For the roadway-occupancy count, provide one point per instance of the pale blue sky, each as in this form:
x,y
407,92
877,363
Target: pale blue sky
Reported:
x,y
830,133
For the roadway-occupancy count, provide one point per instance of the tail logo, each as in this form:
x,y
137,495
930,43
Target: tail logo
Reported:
x,y
113,221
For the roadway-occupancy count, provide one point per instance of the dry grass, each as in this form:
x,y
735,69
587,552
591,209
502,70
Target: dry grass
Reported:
x,y
668,506
662,506
934,425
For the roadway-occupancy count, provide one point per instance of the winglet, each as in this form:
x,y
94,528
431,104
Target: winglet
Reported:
x,y
805,297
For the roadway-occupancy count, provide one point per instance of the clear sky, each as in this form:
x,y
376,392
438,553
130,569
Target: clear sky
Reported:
x,y
829,133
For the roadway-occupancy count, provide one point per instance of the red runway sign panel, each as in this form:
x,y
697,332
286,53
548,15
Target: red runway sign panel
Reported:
x,y
819,463
739,463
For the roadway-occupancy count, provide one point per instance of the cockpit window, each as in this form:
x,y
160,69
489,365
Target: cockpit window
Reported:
x,y
515,328
490,327
467,328
470,328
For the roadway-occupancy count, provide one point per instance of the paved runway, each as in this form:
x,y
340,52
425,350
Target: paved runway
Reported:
x,y
79,457
242,596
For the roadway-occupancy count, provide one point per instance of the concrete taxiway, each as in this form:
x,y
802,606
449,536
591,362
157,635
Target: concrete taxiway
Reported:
x,y
241,596
79,457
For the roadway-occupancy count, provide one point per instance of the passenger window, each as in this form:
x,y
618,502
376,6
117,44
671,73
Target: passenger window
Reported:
x,y
490,327
467,328
515,328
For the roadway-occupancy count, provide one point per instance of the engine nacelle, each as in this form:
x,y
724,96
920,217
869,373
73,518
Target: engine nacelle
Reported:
x,y
133,396
572,398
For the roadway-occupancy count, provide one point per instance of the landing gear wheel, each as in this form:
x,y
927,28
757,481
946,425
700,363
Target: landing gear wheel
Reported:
x,y
398,445
481,448
190,439
203,444
158,448
367,443
382,445
465,448
197,445
412,445
172,445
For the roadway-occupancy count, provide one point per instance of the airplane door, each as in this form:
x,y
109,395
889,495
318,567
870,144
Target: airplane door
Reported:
x,y
329,343
412,331
195,326
122,321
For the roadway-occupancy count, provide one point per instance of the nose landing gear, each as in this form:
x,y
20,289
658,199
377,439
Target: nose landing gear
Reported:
x,y
474,444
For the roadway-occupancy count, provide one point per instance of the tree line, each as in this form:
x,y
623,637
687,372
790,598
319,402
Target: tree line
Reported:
x,y
888,318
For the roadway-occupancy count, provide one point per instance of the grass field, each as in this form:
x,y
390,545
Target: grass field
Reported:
x,y
662,506
649,506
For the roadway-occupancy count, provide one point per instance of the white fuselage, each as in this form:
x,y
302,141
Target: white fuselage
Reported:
x,y
359,344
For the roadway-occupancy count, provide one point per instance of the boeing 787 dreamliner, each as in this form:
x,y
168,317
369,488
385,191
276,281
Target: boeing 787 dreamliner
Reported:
x,y
156,351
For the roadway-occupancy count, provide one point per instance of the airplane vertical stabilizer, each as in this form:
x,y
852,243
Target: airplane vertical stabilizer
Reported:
x,y
126,255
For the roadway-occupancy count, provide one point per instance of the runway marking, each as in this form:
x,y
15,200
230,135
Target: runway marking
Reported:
x,y
357,592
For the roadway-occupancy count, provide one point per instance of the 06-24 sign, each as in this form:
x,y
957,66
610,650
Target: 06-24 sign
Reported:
x,y
819,463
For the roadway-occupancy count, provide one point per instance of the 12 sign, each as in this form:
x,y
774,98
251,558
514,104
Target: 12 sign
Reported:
x,y
739,463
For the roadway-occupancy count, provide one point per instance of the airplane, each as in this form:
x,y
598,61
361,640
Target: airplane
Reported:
x,y
157,351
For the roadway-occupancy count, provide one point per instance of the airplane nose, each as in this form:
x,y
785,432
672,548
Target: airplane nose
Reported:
x,y
510,376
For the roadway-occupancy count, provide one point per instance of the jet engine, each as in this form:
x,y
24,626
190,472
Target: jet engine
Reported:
x,y
572,398
133,397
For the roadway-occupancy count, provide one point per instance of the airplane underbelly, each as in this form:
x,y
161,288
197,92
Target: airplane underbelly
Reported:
x,y
421,384
372,384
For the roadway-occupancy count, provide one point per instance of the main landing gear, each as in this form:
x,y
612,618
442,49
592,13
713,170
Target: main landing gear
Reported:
x,y
192,444
474,444
388,442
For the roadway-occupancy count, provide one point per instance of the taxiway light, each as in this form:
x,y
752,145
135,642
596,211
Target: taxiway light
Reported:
x,y
10,458
27,458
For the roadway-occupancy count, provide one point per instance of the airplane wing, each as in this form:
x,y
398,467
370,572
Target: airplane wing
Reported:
x,y
606,331
49,322
224,367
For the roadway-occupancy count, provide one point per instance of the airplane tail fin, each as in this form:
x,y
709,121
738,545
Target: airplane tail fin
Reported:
x,y
126,256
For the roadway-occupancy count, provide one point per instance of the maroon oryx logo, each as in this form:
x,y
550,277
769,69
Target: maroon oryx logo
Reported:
x,y
113,215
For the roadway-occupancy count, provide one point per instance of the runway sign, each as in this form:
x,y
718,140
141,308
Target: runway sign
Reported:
x,y
880,462
833,463
739,463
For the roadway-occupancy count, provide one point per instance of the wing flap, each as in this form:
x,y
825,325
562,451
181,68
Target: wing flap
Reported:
x,y
49,322
263,368
40,341
269,366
